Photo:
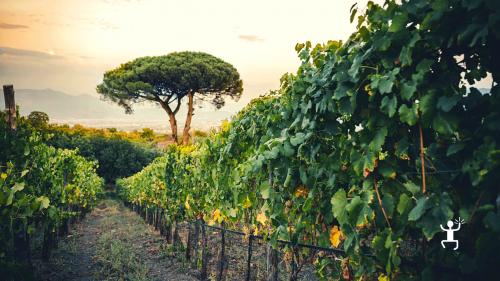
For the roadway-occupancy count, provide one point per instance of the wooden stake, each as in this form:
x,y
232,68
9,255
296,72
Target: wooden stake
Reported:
x,y
222,257
10,106
249,257
204,260
272,263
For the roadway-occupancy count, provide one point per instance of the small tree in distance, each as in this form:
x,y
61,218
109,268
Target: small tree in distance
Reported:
x,y
166,80
38,118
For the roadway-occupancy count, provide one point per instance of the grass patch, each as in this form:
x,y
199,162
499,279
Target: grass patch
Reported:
x,y
114,253
118,260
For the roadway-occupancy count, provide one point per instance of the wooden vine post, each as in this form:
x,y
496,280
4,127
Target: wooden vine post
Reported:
x,y
10,106
195,240
272,263
249,258
222,257
188,243
204,260
21,237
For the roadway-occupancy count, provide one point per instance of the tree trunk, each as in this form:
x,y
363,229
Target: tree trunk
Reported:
x,y
173,125
187,126
171,116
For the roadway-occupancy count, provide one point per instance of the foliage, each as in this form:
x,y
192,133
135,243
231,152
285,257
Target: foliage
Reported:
x,y
40,187
371,146
119,154
38,118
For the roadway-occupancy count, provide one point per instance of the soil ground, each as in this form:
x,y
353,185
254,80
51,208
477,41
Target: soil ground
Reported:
x,y
112,243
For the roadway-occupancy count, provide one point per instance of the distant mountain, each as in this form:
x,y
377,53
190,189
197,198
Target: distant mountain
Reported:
x,y
91,111
59,105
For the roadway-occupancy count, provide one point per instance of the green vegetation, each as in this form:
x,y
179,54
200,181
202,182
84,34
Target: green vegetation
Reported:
x,y
41,188
38,118
168,79
369,147
119,154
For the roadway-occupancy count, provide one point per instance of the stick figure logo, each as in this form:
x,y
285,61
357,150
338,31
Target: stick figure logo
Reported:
x,y
450,231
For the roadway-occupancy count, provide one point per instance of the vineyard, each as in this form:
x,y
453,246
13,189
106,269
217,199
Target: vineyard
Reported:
x,y
368,148
43,191
348,171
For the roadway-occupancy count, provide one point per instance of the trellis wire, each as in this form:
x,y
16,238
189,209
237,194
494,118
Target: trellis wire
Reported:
x,y
213,252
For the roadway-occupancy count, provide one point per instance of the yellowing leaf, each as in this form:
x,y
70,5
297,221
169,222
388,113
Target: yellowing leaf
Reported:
x,y
3,176
256,231
301,191
217,216
383,277
44,202
336,236
247,203
246,231
233,212
186,204
18,187
261,218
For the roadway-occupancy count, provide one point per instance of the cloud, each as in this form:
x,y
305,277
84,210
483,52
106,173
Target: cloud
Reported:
x,y
27,53
250,38
4,25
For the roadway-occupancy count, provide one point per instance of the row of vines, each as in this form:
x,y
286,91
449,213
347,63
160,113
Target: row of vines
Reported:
x,y
41,189
371,146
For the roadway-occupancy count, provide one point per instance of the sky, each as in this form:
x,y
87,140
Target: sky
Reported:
x,y
67,45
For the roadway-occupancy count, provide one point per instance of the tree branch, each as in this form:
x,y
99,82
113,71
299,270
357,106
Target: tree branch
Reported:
x,y
178,106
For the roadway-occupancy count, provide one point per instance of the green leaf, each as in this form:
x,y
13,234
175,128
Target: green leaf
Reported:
x,y
385,85
404,203
339,202
411,187
408,114
345,106
492,221
454,148
389,105
398,22
427,105
297,139
288,150
447,103
388,203
265,189
444,124
407,89
419,209
10,198
379,139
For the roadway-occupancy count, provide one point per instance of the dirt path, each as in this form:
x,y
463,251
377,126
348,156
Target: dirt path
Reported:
x,y
113,243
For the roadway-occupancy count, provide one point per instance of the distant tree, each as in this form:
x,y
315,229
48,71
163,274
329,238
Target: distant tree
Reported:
x,y
168,79
38,118
147,134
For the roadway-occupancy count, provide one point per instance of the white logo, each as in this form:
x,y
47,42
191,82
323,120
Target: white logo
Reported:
x,y
450,232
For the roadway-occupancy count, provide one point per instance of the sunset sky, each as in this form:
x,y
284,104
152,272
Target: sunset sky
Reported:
x,y
66,45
